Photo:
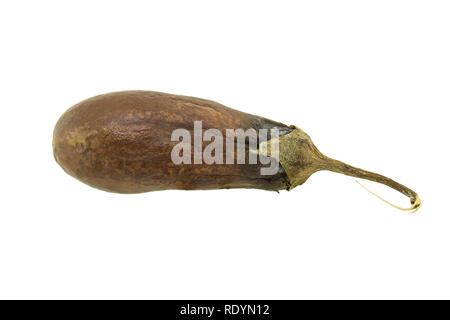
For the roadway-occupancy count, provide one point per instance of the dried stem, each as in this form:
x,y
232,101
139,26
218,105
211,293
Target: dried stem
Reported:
x,y
341,167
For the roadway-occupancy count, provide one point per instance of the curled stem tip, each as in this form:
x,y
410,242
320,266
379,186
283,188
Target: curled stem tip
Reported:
x,y
415,205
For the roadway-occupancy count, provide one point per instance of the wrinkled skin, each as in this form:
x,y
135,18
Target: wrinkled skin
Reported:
x,y
121,142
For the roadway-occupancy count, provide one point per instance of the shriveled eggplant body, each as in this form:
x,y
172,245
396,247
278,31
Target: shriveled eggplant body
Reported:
x,y
121,142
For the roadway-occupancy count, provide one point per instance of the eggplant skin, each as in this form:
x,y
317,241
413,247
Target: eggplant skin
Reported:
x,y
121,142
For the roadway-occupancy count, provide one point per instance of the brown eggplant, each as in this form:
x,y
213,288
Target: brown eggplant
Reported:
x,y
121,142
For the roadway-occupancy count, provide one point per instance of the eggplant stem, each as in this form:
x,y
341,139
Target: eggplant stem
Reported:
x,y
340,167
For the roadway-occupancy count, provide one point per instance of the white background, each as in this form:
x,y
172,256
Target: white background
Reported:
x,y
368,80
